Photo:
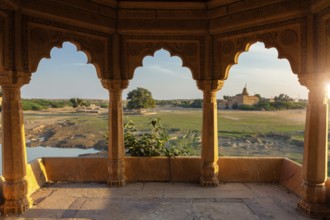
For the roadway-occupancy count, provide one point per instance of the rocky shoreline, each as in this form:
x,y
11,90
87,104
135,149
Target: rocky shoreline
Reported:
x,y
67,134
64,134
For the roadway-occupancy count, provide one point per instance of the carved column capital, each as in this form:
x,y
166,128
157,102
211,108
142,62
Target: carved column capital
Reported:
x,y
210,85
317,86
315,81
14,78
114,84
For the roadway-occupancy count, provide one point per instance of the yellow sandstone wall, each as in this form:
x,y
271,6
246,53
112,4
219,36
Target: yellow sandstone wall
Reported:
x,y
36,175
180,169
249,169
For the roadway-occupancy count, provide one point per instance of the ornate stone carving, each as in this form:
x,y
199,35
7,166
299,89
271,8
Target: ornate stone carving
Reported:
x,y
179,25
8,46
116,152
14,186
14,78
135,48
227,47
2,43
15,195
288,37
209,166
287,42
42,36
115,85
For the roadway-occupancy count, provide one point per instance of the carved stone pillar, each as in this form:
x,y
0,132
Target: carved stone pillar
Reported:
x,y
315,159
116,151
13,153
209,169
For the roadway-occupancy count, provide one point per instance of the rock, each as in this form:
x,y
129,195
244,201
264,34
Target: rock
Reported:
x,y
259,141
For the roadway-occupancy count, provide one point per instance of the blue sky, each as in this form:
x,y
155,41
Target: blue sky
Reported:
x,y
68,75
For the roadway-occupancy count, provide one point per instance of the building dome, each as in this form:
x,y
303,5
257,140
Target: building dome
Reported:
x,y
245,92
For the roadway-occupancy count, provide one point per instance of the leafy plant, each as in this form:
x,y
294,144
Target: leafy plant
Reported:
x,y
151,143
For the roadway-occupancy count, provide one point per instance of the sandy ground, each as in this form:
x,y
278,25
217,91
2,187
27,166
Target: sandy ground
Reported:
x,y
52,128
58,131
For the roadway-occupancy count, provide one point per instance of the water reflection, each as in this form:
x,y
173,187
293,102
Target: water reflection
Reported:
x,y
38,152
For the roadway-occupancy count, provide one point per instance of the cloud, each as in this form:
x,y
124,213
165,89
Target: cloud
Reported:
x,y
181,74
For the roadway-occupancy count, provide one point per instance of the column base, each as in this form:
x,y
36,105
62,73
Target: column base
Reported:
x,y
15,197
209,175
209,182
313,210
12,207
116,182
116,169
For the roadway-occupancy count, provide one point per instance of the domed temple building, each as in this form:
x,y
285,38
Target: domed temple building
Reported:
x,y
208,35
242,99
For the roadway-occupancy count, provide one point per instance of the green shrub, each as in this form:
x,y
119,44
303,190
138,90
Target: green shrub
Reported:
x,y
152,143
104,105
32,105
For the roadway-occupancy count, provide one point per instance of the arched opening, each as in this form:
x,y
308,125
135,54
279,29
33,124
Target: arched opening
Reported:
x,y
263,109
65,107
178,101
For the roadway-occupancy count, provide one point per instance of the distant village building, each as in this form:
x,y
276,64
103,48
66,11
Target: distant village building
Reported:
x,y
92,108
240,99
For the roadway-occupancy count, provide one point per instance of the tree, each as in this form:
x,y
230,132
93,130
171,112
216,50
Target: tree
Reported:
x,y
283,98
258,95
227,97
77,102
140,98
197,103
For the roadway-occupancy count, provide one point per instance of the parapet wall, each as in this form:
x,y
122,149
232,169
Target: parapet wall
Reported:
x,y
162,169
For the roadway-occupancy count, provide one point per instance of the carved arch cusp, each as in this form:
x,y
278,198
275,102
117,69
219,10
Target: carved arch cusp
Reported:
x,y
136,51
41,40
287,42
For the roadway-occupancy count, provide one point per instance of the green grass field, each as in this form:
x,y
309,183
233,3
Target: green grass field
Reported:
x,y
231,123
281,132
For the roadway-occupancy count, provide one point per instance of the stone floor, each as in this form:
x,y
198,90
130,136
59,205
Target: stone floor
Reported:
x,y
163,201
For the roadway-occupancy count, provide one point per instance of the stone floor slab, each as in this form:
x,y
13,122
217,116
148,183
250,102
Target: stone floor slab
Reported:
x,y
163,201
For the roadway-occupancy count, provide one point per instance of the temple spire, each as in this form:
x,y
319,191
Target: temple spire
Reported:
x,y
245,92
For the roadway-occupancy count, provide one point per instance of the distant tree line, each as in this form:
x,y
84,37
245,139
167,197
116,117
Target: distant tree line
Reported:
x,y
193,103
141,98
42,104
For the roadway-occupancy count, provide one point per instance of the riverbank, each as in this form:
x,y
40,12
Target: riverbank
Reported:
x,y
241,133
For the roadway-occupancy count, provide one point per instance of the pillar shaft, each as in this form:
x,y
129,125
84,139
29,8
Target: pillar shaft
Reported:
x,y
116,150
315,160
13,153
209,169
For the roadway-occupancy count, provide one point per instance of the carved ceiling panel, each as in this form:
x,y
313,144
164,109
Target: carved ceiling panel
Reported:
x,y
2,43
322,56
135,48
289,41
6,40
327,49
42,37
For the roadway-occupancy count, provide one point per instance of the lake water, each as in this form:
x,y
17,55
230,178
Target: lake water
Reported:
x,y
38,152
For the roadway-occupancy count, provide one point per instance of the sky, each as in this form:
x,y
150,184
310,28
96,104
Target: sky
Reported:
x,y
67,75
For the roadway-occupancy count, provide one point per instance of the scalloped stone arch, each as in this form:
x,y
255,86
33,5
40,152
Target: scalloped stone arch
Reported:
x,y
172,55
43,40
287,42
136,50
